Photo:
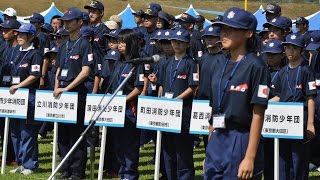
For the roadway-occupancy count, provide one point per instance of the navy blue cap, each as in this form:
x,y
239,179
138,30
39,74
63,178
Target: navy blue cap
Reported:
x,y
217,18
163,15
62,32
238,18
279,22
273,46
85,16
272,8
185,17
10,24
112,55
211,31
47,27
27,28
96,5
113,33
36,17
180,35
315,41
172,17
301,20
166,34
72,13
157,35
87,31
150,12
295,39
200,18
264,30
139,12
155,7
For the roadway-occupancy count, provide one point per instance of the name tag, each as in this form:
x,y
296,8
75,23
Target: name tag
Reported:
x,y
15,80
317,82
218,121
64,72
6,79
168,95
120,93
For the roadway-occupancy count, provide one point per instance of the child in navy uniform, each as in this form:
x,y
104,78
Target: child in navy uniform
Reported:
x,y
211,37
127,139
25,73
274,53
296,83
238,99
179,80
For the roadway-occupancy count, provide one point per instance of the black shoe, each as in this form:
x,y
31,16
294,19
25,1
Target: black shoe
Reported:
x,y
75,177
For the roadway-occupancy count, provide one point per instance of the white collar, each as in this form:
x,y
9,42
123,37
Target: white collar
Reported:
x,y
28,49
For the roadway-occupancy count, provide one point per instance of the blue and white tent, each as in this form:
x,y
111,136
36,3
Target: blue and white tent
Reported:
x,y
261,18
127,18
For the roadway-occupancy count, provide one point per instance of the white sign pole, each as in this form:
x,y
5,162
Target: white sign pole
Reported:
x,y
5,144
102,152
158,153
55,143
276,158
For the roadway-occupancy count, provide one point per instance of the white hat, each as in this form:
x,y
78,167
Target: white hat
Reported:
x,y
10,12
116,19
112,25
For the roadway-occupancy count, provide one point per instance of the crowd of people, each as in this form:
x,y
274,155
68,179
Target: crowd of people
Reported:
x,y
238,69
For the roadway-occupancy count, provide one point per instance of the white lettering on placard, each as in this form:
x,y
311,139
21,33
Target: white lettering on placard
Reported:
x,y
161,114
283,120
62,109
113,114
14,105
200,116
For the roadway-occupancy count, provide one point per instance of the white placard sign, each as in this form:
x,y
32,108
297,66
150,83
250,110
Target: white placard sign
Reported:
x,y
200,116
14,105
113,115
283,120
62,109
159,114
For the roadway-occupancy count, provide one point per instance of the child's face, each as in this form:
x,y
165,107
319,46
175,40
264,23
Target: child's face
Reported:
x,y
179,46
232,38
167,47
113,44
274,59
275,33
293,52
211,41
122,47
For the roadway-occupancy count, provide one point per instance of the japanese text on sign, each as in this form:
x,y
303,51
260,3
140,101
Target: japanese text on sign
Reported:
x,y
283,120
200,116
14,105
159,114
62,109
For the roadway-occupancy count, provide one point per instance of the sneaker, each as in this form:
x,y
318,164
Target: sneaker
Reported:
x,y
19,169
26,171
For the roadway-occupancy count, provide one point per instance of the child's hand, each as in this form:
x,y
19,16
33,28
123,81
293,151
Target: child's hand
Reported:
x,y
152,78
310,131
246,169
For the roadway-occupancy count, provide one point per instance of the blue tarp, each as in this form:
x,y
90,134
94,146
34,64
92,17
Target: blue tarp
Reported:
x,y
127,18
261,18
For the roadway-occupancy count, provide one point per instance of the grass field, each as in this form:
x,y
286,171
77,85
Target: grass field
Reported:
x,y
27,7
146,170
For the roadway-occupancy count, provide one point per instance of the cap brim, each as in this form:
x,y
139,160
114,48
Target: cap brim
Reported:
x,y
268,24
179,39
220,23
286,43
273,52
313,46
212,35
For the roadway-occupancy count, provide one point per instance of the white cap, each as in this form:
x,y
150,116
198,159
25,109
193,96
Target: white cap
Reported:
x,y
10,12
112,25
116,18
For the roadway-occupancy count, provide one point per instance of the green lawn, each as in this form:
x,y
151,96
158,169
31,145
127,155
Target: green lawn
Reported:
x,y
146,170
